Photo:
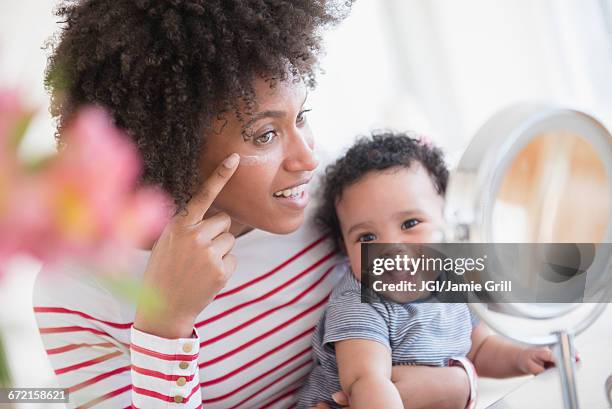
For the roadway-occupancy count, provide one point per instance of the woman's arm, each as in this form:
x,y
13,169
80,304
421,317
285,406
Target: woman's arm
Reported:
x,y
424,387
190,262
98,369
364,369
107,362
496,357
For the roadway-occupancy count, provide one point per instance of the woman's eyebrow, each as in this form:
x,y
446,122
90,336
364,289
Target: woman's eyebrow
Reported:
x,y
264,114
270,114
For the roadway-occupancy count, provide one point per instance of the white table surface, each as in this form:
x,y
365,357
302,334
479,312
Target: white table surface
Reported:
x,y
544,391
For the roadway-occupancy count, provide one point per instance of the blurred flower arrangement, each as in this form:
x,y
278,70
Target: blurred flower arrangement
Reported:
x,y
83,202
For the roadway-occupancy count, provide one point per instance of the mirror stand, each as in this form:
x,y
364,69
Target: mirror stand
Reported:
x,y
566,360
566,355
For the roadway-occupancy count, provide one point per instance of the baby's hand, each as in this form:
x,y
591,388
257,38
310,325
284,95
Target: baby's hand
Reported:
x,y
535,360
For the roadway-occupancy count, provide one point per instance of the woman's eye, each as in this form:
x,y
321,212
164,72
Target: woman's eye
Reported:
x,y
364,238
265,138
301,118
410,223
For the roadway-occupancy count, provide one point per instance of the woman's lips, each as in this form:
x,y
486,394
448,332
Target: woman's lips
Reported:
x,y
297,202
295,190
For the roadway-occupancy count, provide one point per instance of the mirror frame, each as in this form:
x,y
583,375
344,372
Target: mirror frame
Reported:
x,y
474,184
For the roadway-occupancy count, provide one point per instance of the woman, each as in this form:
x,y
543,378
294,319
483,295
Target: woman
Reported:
x,y
214,95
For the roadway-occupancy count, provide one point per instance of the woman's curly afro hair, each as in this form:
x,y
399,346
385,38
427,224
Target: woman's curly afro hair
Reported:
x,y
382,150
164,68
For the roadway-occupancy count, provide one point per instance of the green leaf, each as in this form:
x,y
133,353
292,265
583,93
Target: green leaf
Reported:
x,y
19,129
5,376
131,289
39,163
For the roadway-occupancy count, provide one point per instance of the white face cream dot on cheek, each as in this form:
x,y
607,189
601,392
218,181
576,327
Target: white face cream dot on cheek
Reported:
x,y
255,160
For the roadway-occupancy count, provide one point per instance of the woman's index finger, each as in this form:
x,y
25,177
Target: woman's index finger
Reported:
x,y
210,189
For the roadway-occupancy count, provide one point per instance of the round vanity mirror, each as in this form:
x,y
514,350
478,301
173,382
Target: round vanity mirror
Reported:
x,y
541,194
540,174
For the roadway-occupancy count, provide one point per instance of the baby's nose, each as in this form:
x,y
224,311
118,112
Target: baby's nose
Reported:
x,y
393,250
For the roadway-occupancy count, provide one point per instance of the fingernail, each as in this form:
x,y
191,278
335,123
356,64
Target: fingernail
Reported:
x,y
336,397
231,160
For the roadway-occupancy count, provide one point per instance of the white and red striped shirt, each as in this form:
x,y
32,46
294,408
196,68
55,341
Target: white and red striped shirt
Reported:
x,y
250,348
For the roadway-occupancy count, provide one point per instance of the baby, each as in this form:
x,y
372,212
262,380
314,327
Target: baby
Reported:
x,y
389,188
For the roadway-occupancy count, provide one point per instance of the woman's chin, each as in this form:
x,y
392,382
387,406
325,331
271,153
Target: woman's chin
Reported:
x,y
288,226
282,224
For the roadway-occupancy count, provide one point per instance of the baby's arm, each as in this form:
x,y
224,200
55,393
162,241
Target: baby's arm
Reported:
x,y
428,387
424,387
364,368
496,357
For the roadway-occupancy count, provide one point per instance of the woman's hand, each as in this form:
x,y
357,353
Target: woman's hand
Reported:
x,y
190,262
339,397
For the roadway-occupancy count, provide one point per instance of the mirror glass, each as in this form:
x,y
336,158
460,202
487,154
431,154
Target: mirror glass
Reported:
x,y
555,190
552,188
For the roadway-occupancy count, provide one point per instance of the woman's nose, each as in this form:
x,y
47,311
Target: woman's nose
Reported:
x,y
300,152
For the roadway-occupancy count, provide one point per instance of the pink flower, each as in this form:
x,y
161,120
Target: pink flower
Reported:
x,y
13,119
82,202
144,216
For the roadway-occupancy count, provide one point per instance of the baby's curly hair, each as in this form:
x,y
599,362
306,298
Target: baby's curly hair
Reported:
x,y
165,68
379,151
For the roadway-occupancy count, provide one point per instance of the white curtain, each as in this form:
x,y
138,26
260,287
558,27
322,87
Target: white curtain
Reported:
x,y
445,66
461,61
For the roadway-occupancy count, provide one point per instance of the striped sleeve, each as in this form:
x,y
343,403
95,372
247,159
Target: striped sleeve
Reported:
x,y
474,319
346,317
102,360
165,371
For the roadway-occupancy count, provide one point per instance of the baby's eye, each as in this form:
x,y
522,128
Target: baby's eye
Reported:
x,y
410,223
265,138
301,118
364,238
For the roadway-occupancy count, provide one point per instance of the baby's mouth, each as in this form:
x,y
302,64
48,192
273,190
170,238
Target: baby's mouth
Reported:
x,y
399,275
